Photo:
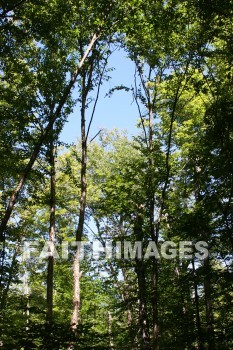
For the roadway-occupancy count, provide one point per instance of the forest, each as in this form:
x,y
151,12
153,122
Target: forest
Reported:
x,y
116,242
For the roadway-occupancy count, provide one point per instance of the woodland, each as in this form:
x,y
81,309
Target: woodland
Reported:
x,y
172,181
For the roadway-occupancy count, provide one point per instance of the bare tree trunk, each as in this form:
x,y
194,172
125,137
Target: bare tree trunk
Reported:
x,y
27,296
144,329
26,292
75,319
111,342
154,235
200,339
143,313
86,87
82,203
52,231
155,304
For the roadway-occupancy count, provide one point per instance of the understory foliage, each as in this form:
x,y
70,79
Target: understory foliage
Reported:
x,y
170,182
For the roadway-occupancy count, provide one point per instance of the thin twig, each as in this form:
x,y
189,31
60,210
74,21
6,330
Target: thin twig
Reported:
x,y
97,96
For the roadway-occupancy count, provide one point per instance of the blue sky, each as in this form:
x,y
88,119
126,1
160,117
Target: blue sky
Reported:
x,y
119,111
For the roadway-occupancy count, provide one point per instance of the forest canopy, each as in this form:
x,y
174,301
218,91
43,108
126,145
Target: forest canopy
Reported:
x,y
116,242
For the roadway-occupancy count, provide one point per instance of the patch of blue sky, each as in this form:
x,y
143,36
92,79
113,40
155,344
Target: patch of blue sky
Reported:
x,y
118,111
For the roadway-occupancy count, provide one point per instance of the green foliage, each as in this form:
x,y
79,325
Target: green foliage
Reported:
x,y
181,161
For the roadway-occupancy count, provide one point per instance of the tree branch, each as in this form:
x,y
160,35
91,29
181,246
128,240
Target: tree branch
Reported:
x,y
42,138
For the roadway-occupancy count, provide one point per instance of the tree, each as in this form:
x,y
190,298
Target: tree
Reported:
x,y
172,182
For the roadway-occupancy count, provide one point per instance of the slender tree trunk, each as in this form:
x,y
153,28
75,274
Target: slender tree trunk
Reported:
x,y
144,329
51,230
86,87
188,320
155,229
155,304
207,269
27,305
27,296
200,339
79,232
209,307
154,234
111,342
75,319
143,313
226,212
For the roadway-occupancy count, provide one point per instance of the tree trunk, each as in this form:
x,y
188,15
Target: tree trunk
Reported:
x,y
154,234
111,342
200,340
82,203
86,88
207,271
75,319
209,308
26,291
144,329
188,320
51,231
155,304
143,313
